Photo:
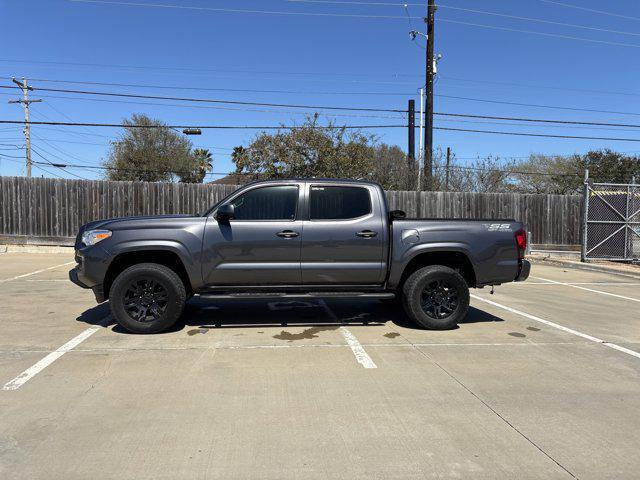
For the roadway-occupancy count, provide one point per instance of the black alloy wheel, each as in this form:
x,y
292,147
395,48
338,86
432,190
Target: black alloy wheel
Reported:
x,y
145,300
439,299
436,297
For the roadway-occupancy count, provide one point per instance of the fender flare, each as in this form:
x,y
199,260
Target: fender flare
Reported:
x,y
131,246
399,265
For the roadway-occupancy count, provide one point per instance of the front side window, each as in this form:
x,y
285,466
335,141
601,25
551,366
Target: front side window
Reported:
x,y
339,203
278,202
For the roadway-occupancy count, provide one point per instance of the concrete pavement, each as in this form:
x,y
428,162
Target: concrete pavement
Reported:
x,y
263,389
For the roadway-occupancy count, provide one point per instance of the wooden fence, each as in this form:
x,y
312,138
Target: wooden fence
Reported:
x,y
52,210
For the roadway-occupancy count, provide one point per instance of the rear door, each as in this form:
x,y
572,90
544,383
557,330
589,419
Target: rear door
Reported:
x,y
261,245
344,235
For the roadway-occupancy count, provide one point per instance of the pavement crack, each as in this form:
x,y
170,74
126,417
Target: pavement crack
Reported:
x,y
489,407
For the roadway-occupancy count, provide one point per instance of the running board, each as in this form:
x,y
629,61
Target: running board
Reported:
x,y
251,295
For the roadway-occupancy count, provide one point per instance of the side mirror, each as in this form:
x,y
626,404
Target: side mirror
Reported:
x,y
397,215
225,212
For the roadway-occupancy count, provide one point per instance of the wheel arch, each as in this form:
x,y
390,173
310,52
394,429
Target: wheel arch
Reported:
x,y
454,258
128,258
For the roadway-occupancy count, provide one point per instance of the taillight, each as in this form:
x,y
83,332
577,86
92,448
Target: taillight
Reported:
x,y
521,242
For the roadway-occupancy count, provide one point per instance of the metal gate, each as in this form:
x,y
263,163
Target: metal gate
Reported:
x,y
611,222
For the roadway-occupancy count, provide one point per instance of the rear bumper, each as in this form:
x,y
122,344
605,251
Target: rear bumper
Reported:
x,y
524,270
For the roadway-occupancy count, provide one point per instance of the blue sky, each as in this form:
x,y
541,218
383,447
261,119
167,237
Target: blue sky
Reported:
x,y
320,60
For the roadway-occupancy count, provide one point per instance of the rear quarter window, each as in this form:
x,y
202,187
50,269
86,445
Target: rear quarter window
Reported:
x,y
338,202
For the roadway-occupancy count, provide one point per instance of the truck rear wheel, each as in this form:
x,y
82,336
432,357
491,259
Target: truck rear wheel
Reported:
x,y
147,298
436,297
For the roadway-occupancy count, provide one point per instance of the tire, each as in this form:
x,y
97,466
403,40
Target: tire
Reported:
x,y
158,307
436,297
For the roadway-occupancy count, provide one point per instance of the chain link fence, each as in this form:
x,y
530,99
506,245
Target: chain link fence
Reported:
x,y
611,222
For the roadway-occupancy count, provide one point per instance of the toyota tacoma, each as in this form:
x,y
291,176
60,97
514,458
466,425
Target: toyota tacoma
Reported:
x,y
304,238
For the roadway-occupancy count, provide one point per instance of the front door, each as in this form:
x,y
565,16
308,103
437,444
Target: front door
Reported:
x,y
261,245
344,236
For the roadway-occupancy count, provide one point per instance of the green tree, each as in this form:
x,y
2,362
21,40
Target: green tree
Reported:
x,y
555,174
564,174
609,166
203,163
490,174
307,151
391,169
149,151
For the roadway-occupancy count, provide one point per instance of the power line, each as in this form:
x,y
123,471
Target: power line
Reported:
x,y
207,100
346,15
316,107
203,70
37,165
215,89
457,167
546,135
512,172
539,20
218,107
535,105
239,10
532,32
471,10
534,125
601,12
528,86
540,120
54,165
282,127
134,170
308,92
214,127
57,149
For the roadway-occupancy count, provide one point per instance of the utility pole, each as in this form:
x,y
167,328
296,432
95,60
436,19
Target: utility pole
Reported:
x,y
428,133
27,131
411,149
446,172
421,137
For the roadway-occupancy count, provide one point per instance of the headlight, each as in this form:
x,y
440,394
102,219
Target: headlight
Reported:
x,y
91,237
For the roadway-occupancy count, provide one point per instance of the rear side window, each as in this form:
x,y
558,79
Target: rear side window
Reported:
x,y
339,203
267,203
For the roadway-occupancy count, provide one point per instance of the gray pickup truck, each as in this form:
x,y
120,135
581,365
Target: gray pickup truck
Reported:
x,y
306,238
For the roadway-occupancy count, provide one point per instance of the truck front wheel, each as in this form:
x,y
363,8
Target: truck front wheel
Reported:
x,y
436,297
147,298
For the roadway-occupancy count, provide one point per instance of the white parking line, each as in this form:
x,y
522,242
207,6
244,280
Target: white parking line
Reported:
x,y
604,284
558,326
35,273
358,350
32,371
46,280
589,289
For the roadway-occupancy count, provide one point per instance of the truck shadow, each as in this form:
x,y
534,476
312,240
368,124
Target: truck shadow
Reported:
x,y
226,314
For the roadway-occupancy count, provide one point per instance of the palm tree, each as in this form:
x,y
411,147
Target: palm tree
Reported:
x,y
203,163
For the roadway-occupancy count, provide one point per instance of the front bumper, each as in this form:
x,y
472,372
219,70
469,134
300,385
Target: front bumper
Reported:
x,y
98,291
524,270
90,270
73,276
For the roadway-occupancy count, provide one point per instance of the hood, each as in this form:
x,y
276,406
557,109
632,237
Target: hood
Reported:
x,y
123,220
99,223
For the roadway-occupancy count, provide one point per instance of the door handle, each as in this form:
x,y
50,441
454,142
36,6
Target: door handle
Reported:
x,y
287,234
367,234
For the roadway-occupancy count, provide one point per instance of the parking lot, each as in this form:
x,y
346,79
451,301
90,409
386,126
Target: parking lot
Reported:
x,y
541,381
